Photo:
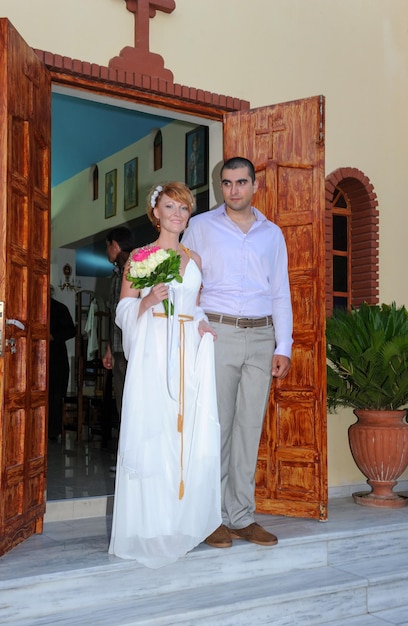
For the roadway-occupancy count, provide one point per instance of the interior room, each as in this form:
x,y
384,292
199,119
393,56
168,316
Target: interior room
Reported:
x,y
96,145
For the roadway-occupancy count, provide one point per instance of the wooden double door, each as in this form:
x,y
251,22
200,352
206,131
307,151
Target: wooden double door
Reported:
x,y
286,144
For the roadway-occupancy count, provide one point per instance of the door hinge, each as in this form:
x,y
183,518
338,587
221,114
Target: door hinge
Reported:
x,y
320,140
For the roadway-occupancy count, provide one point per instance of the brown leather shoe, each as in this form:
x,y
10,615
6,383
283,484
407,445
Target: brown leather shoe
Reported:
x,y
255,534
220,538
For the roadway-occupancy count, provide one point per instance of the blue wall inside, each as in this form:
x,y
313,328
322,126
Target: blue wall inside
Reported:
x,y
85,132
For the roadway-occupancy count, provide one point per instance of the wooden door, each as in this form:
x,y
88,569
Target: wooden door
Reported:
x,y
286,144
25,132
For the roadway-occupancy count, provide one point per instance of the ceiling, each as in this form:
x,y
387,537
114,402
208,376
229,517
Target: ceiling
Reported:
x,y
85,132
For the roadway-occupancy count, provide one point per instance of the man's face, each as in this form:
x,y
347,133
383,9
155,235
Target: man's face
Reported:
x,y
237,188
112,250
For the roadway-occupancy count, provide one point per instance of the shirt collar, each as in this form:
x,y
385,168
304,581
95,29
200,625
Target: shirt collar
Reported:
x,y
258,215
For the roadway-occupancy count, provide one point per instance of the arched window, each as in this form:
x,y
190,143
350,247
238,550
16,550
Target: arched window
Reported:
x,y
95,182
158,151
341,257
352,233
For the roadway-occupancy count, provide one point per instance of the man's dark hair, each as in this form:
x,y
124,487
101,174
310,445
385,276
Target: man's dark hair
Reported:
x,y
123,237
236,162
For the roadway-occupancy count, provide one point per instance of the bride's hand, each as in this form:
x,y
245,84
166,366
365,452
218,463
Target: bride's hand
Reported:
x,y
204,327
157,294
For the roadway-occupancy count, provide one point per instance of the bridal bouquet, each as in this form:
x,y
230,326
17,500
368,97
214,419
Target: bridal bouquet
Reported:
x,y
152,265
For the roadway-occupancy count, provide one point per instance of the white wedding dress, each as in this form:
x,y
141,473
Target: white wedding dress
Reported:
x,y
159,453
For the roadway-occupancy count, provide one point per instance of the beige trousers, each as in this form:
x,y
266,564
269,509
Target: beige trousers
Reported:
x,y
243,364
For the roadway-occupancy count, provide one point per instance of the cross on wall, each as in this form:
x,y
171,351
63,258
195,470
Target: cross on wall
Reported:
x,y
143,11
139,59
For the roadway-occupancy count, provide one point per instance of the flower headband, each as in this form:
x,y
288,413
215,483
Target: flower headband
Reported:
x,y
155,195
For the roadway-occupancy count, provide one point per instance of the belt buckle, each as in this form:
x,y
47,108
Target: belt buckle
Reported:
x,y
246,322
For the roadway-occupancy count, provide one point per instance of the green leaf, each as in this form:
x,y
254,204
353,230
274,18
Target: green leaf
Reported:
x,y
367,355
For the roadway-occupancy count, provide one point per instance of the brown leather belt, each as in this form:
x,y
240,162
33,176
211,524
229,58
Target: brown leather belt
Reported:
x,y
240,322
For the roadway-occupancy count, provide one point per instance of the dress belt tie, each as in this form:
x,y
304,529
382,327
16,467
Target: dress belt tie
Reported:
x,y
180,419
241,322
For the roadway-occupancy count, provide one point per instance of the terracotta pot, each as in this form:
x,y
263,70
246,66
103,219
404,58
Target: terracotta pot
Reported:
x,y
379,445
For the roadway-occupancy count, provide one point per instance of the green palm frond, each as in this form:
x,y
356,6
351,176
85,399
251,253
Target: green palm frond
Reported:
x,y
367,357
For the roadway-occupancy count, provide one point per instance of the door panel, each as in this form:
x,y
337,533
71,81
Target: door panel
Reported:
x,y
25,135
285,142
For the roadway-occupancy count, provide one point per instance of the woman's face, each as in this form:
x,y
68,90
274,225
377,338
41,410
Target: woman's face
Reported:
x,y
173,215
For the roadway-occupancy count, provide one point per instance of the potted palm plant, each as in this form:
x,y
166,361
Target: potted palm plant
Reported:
x,y
367,370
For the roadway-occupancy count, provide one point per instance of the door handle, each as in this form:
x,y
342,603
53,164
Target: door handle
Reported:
x,y
3,323
17,323
11,343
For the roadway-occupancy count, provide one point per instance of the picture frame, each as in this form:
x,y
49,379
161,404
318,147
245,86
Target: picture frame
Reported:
x,y
196,173
130,186
110,193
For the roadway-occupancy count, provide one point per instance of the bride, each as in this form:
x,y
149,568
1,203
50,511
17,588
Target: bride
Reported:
x,y
167,490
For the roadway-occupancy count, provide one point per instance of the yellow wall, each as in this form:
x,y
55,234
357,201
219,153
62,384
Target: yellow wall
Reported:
x,y
355,52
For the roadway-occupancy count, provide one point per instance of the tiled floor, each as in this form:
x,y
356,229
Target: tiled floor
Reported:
x,y
80,470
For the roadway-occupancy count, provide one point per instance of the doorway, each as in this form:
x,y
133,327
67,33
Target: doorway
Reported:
x,y
110,131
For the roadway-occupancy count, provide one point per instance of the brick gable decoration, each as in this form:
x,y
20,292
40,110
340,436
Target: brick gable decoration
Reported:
x,y
140,74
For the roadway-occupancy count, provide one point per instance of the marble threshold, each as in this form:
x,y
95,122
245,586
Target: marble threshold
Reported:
x,y
96,506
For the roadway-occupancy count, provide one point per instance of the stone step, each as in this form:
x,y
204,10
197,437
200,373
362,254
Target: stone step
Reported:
x,y
398,616
319,573
300,551
314,597
352,567
364,543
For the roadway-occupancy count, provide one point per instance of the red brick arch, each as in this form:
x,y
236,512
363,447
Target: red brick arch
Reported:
x,y
364,235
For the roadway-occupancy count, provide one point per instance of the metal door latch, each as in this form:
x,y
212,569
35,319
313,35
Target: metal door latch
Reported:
x,y
9,342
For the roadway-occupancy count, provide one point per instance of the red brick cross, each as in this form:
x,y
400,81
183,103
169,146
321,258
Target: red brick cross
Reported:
x,y
144,10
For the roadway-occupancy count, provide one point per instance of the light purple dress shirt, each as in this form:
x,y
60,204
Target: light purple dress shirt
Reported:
x,y
244,274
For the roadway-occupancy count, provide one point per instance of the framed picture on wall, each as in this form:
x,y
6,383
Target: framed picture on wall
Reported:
x,y
130,194
110,193
197,157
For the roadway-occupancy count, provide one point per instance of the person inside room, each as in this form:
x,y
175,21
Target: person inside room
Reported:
x,y
62,328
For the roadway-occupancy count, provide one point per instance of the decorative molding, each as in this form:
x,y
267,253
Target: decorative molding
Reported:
x,y
139,74
146,89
